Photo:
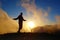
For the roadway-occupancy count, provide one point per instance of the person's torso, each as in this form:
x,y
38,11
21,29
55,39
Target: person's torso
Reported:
x,y
20,19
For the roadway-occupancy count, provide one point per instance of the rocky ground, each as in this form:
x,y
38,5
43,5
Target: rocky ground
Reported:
x,y
30,36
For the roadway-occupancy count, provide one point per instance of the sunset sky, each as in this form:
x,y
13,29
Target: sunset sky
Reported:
x,y
37,13
45,11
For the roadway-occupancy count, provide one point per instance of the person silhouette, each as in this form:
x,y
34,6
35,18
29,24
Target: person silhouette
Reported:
x,y
20,20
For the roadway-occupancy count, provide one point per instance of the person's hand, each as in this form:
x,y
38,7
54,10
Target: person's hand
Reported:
x,y
14,18
24,20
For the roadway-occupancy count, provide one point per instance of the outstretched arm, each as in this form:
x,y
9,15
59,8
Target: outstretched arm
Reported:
x,y
15,18
24,19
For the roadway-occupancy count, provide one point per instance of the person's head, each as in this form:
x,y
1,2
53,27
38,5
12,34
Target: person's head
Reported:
x,y
21,13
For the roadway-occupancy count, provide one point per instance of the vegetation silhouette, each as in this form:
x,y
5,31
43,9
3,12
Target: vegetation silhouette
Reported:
x,y
20,21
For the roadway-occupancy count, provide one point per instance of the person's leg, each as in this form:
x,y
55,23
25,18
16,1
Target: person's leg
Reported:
x,y
20,27
19,30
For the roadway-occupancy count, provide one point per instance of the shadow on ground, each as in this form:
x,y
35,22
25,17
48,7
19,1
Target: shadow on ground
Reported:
x,y
31,36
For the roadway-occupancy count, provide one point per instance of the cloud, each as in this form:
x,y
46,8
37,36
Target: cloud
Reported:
x,y
57,19
46,28
38,14
7,25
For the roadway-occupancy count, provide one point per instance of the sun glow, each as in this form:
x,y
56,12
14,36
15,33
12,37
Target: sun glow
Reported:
x,y
31,24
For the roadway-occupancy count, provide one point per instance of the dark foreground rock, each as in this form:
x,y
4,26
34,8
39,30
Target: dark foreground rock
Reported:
x,y
30,36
